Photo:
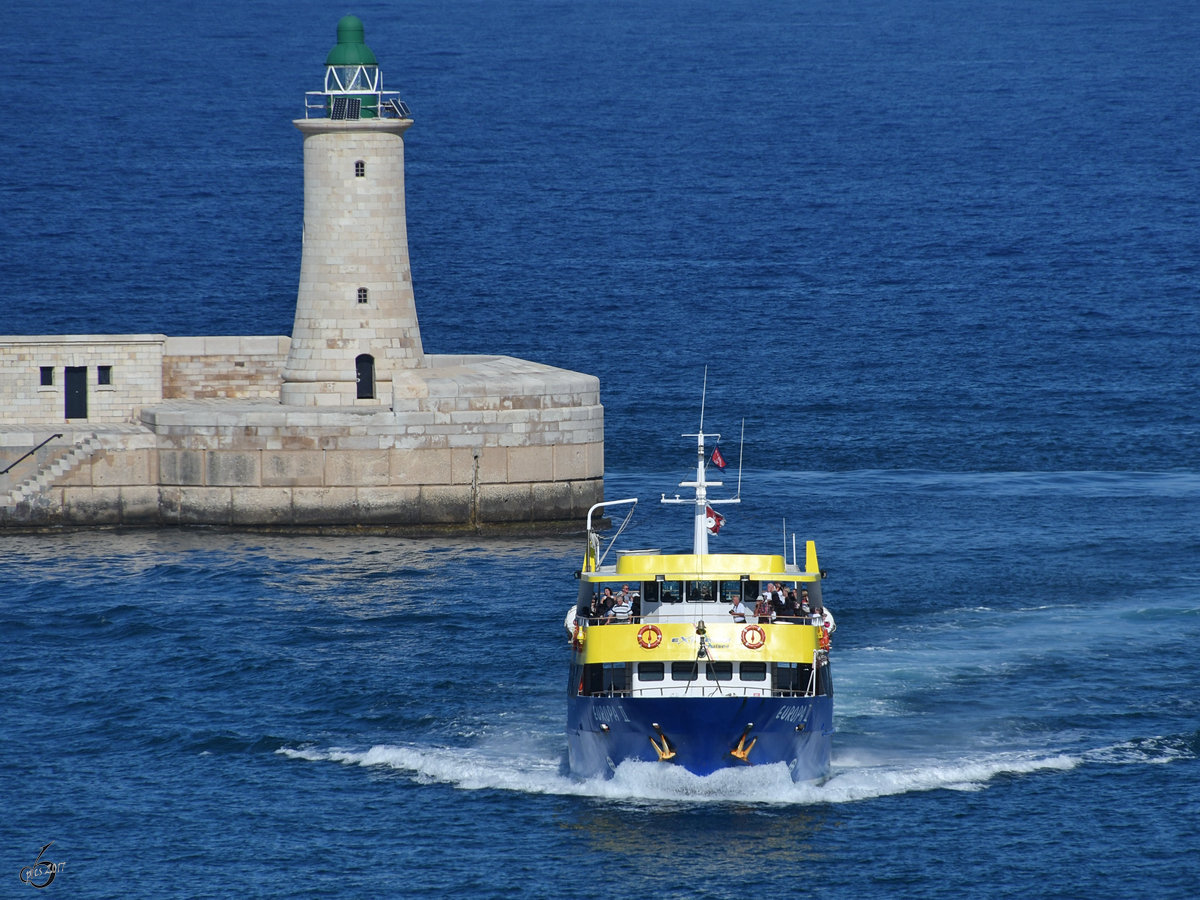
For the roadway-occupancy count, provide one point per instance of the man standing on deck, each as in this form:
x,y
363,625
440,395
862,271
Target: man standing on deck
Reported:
x,y
739,611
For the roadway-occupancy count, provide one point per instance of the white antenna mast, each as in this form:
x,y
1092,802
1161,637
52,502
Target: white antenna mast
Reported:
x,y
700,500
741,443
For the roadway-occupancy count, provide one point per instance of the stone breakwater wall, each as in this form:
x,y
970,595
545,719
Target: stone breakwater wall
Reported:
x,y
464,441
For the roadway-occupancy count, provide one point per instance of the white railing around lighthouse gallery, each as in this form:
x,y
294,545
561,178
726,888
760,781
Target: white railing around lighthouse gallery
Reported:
x,y
355,105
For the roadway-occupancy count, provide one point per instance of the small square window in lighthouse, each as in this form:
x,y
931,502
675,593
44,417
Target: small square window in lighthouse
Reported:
x,y
363,295
360,169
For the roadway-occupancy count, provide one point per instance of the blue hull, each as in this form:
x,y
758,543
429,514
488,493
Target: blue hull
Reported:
x,y
703,732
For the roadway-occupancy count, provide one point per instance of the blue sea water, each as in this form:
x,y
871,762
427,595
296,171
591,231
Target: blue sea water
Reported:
x,y
941,257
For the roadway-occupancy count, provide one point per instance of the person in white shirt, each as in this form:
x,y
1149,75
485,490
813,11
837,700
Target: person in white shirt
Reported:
x,y
739,611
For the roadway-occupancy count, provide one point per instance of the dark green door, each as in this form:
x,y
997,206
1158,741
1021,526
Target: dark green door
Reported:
x,y
76,384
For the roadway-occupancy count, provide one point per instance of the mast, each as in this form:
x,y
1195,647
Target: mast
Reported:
x,y
701,499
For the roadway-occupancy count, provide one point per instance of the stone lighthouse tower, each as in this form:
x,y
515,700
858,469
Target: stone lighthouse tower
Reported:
x,y
356,320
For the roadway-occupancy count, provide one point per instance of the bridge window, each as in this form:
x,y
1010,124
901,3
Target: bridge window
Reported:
x,y
729,592
672,591
650,671
719,671
683,671
754,671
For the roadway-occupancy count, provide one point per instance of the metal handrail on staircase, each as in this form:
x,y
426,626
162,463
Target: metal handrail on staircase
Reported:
x,y
31,452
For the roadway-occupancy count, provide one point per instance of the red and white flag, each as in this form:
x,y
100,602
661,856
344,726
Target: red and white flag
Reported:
x,y
717,459
713,520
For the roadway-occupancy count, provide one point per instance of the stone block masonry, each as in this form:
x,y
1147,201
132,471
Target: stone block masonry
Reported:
x,y
470,442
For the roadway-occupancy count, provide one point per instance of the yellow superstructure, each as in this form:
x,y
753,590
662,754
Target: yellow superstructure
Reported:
x,y
679,641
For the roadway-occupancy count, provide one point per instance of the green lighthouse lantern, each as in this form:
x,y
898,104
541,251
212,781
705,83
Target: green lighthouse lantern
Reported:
x,y
352,79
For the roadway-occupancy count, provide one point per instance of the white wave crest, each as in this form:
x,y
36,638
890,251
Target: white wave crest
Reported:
x,y
643,782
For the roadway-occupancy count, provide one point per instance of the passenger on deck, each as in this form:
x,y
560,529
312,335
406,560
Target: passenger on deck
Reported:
x,y
739,611
606,604
762,609
779,602
625,592
622,608
789,603
792,610
818,613
596,611
806,606
769,603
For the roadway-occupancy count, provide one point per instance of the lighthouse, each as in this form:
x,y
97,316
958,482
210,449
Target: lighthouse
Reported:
x,y
356,319
346,424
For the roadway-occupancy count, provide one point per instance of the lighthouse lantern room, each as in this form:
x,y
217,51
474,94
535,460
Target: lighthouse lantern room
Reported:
x,y
353,82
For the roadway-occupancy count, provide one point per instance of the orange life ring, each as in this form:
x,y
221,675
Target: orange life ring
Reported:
x,y
649,637
753,637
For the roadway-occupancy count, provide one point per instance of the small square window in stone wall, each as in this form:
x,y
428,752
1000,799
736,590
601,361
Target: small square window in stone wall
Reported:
x,y
47,376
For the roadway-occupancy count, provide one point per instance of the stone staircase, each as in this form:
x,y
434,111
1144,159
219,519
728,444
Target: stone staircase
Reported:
x,y
84,448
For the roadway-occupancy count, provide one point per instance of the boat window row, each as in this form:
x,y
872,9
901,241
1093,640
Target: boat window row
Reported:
x,y
678,591
699,591
786,679
601,602
690,671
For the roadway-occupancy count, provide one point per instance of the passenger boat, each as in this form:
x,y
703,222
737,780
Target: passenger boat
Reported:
x,y
681,681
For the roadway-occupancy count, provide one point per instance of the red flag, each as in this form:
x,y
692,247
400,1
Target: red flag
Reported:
x,y
713,520
717,459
